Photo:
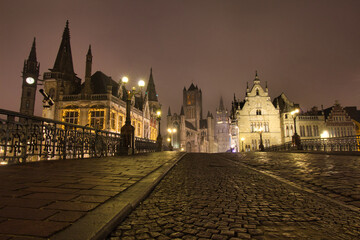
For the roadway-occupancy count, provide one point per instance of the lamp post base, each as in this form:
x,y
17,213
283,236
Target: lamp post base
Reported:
x,y
296,141
127,140
159,143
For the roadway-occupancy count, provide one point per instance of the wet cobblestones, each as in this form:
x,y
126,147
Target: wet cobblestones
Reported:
x,y
337,177
208,197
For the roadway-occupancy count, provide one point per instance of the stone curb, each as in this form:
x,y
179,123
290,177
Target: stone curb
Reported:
x,y
100,222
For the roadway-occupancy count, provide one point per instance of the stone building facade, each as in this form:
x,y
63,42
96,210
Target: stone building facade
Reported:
x,y
338,122
222,128
254,116
193,132
99,101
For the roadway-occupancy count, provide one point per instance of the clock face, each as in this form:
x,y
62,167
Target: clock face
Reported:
x,y
30,80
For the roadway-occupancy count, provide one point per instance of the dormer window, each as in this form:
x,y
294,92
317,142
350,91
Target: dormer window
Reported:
x,y
257,92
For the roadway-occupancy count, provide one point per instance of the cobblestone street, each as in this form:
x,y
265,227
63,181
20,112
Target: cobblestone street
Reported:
x,y
210,196
335,176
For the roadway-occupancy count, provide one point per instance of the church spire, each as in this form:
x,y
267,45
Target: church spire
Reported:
x,y
169,112
152,96
32,55
63,62
221,106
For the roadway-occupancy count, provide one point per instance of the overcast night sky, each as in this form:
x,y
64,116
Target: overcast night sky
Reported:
x,y
310,50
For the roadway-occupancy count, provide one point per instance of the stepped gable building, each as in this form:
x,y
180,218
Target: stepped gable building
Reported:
x,y
255,114
338,122
99,101
30,76
222,128
194,134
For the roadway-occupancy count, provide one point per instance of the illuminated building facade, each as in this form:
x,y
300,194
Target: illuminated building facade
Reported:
x,y
193,133
99,101
222,128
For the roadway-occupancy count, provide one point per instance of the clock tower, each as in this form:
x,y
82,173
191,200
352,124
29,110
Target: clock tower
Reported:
x,y
30,77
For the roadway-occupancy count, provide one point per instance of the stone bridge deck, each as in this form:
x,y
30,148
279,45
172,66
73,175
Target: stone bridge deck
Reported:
x,y
75,199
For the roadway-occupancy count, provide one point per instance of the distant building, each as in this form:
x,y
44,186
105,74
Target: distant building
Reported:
x,y
99,101
193,133
338,122
222,128
355,117
255,114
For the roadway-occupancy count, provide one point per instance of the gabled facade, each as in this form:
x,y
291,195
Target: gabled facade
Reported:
x,y
254,114
99,101
193,133
338,122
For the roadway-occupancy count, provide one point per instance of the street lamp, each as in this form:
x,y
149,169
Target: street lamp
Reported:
x,y
171,142
296,137
242,143
159,138
260,131
127,131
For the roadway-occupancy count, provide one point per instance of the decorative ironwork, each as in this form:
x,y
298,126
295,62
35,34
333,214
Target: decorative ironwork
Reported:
x,y
27,138
350,143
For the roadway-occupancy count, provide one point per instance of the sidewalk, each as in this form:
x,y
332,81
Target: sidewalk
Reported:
x,y
76,199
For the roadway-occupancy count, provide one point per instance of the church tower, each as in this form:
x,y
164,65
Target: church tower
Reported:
x,y
151,94
222,128
192,102
30,77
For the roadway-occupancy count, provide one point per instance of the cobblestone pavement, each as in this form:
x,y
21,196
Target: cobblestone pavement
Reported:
x,y
208,197
335,176
39,199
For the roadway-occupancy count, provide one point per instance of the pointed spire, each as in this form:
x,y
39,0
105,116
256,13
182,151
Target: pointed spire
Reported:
x,y
32,55
152,96
89,51
221,106
182,111
234,98
184,89
63,62
192,87
169,112
256,77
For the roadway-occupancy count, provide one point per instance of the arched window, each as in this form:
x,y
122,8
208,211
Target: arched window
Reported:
x,y
257,92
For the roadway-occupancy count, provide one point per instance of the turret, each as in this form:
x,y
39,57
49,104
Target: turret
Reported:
x,y
87,88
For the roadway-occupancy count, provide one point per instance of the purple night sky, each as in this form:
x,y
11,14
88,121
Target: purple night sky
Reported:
x,y
310,50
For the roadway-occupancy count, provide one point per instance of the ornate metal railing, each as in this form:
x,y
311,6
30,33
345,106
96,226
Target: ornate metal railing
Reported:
x,y
24,139
350,143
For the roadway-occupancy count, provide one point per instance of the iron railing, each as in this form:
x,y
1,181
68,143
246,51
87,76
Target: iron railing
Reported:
x,y
28,138
349,143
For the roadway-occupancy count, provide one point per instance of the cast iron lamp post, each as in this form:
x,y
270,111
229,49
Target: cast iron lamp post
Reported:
x,y
159,138
296,137
242,143
128,131
261,146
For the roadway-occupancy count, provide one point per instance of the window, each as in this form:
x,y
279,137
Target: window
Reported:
x,y
287,131
257,92
258,112
286,116
28,93
120,122
139,129
71,116
113,120
97,119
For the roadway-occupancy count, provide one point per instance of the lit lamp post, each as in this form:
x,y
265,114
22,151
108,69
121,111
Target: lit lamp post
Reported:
x,y
261,146
171,139
159,138
242,143
296,137
128,131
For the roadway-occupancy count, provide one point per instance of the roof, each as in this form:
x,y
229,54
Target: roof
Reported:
x,y
63,62
192,87
189,125
100,81
353,113
284,104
